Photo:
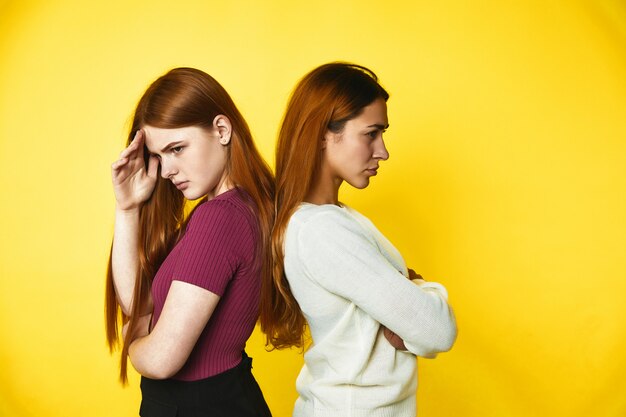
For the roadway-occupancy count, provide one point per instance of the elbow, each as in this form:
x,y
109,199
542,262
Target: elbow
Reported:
x,y
441,344
153,366
446,334
159,373
155,370
444,330
166,370
440,337
447,338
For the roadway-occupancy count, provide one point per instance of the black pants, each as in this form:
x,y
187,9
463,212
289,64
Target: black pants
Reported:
x,y
232,393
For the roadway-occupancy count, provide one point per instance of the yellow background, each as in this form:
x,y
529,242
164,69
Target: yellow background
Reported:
x,y
506,182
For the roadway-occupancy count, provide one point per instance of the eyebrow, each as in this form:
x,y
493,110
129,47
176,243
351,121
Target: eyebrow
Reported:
x,y
171,145
379,126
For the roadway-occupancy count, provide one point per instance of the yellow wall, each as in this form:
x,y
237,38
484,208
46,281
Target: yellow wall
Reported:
x,y
507,182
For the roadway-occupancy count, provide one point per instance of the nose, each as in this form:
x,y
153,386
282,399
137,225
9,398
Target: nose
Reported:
x,y
380,152
167,168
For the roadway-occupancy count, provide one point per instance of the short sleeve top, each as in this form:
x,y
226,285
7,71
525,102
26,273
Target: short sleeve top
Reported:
x,y
217,252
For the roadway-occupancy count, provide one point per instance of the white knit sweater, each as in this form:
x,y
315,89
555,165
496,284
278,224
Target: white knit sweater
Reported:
x,y
348,280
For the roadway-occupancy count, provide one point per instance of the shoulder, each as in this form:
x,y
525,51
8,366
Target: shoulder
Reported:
x,y
228,210
326,220
311,214
359,217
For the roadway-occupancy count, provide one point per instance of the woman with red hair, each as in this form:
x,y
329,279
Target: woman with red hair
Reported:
x,y
188,287
333,270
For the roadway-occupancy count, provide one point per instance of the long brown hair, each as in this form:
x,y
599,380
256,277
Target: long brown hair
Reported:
x,y
180,98
325,99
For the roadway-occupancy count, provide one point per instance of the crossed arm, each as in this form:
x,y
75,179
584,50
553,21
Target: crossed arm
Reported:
x,y
162,353
393,339
351,266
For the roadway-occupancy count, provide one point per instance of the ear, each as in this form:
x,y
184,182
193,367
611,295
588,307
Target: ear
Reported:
x,y
328,136
224,129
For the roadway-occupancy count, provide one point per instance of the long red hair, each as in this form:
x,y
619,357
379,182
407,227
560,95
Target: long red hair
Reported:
x,y
186,97
325,99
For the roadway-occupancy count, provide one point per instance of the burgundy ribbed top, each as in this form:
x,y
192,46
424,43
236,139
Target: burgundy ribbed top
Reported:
x,y
217,252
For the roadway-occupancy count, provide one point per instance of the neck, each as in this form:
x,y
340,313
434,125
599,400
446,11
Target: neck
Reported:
x,y
325,188
222,186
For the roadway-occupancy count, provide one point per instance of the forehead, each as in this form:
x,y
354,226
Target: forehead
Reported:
x,y
372,114
157,138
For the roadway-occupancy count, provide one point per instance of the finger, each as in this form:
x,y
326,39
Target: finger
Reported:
x,y
135,144
139,137
129,151
119,163
413,274
393,339
118,172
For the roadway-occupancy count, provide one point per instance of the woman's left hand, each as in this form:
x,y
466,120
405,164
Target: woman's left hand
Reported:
x,y
393,339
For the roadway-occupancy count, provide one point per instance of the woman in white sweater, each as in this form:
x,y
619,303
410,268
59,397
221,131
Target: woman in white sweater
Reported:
x,y
368,314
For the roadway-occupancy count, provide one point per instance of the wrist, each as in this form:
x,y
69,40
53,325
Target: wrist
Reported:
x,y
126,211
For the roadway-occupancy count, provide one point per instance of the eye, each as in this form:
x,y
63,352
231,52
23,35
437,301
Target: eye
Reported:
x,y
375,133
177,149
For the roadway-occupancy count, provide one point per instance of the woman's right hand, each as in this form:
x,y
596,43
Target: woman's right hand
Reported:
x,y
132,183
414,275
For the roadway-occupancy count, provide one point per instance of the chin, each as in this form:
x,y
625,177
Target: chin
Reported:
x,y
191,196
194,197
360,184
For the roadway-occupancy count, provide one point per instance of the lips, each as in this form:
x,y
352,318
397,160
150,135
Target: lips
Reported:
x,y
372,171
181,185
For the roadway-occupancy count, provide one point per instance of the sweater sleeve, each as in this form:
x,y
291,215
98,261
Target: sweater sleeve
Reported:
x,y
207,250
339,257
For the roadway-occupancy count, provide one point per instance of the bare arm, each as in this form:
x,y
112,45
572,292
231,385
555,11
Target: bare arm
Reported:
x,y
133,185
124,256
165,350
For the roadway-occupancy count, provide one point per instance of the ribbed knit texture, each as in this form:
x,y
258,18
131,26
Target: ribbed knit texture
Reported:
x,y
348,280
217,253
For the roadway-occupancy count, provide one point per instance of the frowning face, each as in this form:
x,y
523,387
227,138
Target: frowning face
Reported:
x,y
354,154
193,158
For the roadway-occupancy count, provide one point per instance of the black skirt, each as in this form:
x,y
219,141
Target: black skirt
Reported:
x,y
232,393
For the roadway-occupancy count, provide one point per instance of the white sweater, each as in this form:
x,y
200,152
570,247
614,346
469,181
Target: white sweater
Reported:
x,y
348,280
